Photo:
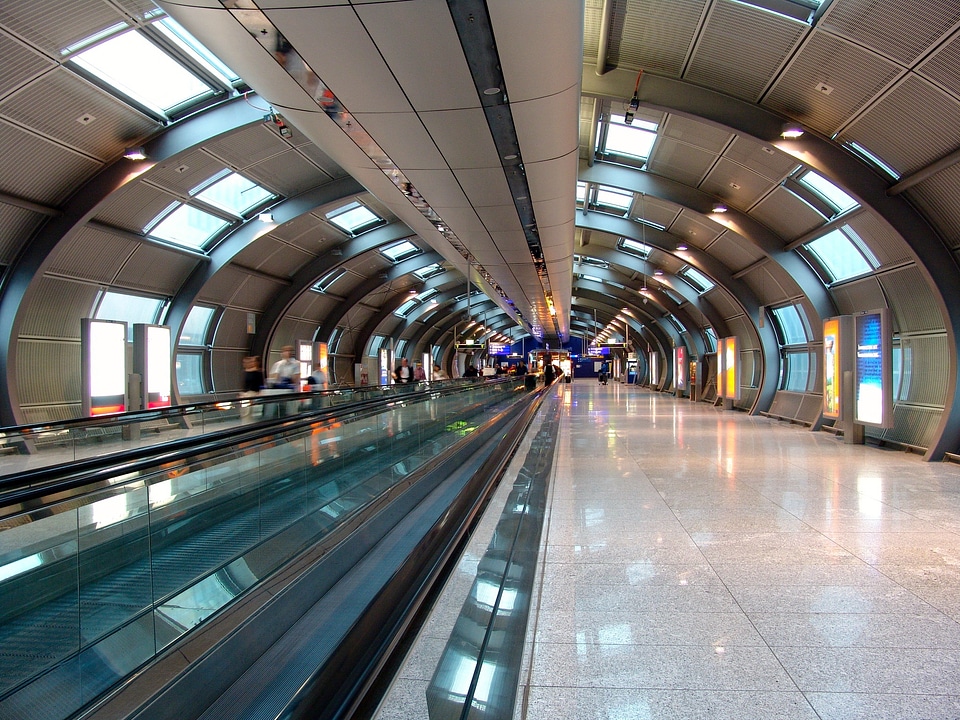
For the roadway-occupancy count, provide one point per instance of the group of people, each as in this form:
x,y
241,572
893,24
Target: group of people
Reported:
x,y
285,373
403,373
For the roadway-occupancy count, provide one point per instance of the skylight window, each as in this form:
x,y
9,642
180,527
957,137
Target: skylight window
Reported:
x,y
427,294
173,31
840,255
581,193
327,281
710,335
700,282
128,308
197,326
400,251
792,328
406,307
188,227
632,141
234,193
635,247
353,218
836,197
801,10
614,198
135,67
429,271
587,260
869,156
592,278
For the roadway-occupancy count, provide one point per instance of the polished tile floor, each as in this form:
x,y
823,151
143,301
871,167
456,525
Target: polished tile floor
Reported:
x,y
701,563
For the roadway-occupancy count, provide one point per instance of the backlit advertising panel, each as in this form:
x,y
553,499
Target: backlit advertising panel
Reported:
x,y
152,361
386,372
103,366
728,377
680,367
873,370
832,369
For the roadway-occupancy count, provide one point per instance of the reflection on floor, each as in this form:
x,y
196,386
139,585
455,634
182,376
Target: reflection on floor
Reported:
x,y
698,563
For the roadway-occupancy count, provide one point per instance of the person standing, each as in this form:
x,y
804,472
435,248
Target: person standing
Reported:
x,y
252,383
419,374
439,374
403,373
285,373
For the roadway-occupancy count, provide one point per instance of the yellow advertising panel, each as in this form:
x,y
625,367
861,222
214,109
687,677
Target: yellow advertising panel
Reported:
x,y
730,368
832,373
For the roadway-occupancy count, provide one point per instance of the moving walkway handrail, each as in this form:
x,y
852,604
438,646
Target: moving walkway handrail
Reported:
x,y
28,486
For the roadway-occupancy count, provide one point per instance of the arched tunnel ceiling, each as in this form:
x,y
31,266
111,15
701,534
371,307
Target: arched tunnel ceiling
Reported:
x,y
398,120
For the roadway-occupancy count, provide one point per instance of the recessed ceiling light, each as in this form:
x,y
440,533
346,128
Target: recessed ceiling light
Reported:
x,y
791,130
491,91
734,186
512,156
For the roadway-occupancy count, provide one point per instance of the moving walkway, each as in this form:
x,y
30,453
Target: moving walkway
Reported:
x,y
117,565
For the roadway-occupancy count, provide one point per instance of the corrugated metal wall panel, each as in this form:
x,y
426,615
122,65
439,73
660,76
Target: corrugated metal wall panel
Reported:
x,y
901,29
786,404
786,214
55,172
936,197
912,426
884,242
50,413
941,66
912,302
681,162
15,223
185,172
227,368
855,74
735,252
726,174
706,137
20,64
156,270
763,159
859,296
771,284
913,125
273,257
763,40
658,34
725,304
57,308
810,408
54,26
91,254
232,330
288,174
59,382
929,365
133,206
248,146
49,106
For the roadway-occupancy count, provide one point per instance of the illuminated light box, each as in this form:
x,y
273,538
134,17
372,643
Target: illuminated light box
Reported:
x,y
728,373
103,366
680,367
152,361
837,358
386,371
873,369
